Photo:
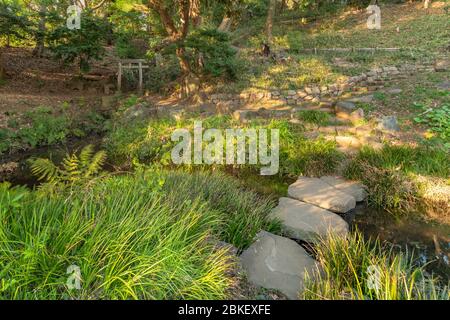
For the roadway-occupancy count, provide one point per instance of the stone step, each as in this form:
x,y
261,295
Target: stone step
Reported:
x,y
321,194
279,263
307,222
353,188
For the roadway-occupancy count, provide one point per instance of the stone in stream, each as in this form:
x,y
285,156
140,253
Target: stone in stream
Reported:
x,y
321,194
275,262
352,188
304,221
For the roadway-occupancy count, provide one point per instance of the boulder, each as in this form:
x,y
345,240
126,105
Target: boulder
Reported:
x,y
362,99
348,141
388,123
352,188
321,194
279,263
304,221
442,65
344,109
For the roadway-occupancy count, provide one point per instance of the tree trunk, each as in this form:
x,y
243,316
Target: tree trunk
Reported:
x,y
39,49
426,4
269,21
2,68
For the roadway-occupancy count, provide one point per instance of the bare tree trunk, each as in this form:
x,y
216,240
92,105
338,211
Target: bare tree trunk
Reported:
x,y
269,21
426,4
177,34
2,68
39,49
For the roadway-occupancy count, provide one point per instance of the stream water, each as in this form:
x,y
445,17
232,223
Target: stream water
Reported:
x,y
428,242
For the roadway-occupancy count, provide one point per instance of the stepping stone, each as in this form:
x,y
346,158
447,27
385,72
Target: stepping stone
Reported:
x,y
321,194
275,262
303,221
352,188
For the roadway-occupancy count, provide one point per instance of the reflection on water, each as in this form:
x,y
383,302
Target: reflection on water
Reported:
x,y
429,242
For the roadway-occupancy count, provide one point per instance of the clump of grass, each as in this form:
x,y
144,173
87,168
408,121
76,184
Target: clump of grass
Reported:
x,y
318,118
354,268
132,237
392,175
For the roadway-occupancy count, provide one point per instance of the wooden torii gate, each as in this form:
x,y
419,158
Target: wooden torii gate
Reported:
x,y
131,64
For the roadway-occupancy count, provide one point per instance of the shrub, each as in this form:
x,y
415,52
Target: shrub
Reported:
x,y
43,129
218,56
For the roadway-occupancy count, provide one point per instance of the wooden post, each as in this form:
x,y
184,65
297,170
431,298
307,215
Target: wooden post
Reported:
x,y
140,77
119,77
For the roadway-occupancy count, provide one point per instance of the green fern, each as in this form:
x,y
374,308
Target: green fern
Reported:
x,y
72,169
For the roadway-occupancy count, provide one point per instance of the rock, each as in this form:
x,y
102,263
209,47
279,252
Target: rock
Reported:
x,y
274,262
353,188
394,91
348,142
108,88
444,85
307,222
362,99
319,193
388,123
141,111
229,248
344,109
442,65
357,115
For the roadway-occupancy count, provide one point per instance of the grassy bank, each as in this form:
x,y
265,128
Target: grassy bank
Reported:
x,y
146,142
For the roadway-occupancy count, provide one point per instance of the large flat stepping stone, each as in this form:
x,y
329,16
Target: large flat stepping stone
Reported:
x,y
307,222
275,262
321,194
352,188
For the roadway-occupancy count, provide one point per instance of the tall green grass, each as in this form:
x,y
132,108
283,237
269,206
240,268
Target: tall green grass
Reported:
x,y
348,272
148,142
133,237
391,174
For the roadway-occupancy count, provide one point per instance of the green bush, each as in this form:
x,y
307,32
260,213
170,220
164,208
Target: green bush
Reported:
x,y
218,56
43,129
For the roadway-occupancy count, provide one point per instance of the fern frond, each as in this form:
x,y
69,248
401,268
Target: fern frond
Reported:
x,y
96,164
86,155
44,169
